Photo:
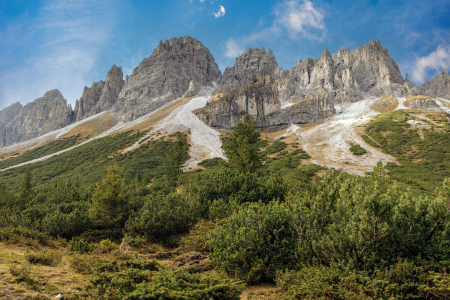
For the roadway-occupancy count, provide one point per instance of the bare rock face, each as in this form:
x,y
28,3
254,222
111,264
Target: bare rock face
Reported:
x,y
261,102
43,115
249,68
101,96
165,76
84,107
438,86
421,104
10,112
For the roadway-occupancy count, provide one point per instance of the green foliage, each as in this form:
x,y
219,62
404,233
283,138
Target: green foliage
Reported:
x,y
402,280
23,273
162,216
40,151
226,185
88,162
110,200
363,223
198,237
275,147
424,163
106,246
81,246
369,141
46,258
11,233
174,161
242,148
357,150
149,280
212,162
257,241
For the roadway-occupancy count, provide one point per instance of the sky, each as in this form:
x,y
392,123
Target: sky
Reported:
x,y
66,45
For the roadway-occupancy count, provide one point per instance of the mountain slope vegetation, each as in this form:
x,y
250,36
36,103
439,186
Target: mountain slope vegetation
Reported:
x,y
135,226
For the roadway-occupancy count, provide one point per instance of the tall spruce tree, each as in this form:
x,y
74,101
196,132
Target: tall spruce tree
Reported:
x,y
110,200
242,148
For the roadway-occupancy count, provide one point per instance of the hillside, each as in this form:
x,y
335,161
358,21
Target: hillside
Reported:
x,y
326,181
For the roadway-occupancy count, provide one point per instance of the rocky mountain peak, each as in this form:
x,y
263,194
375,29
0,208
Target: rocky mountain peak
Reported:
x,y
45,114
249,68
166,75
439,86
101,95
10,112
407,78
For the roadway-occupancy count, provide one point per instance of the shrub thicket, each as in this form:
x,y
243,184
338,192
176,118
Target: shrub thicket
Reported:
x,y
257,241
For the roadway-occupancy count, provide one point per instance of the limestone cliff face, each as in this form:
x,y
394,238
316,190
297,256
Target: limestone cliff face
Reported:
x,y
84,107
165,76
10,112
43,115
101,96
261,102
249,68
438,86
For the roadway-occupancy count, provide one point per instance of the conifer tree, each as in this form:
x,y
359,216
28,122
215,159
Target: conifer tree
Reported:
x,y
242,148
174,162
110,200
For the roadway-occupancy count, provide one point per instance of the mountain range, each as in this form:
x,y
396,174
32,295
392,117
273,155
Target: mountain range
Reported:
x,y
255,85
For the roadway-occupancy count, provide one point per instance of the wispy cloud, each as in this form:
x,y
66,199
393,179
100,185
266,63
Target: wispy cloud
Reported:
x,y
300,18
297,19
66,40
439,60
220,12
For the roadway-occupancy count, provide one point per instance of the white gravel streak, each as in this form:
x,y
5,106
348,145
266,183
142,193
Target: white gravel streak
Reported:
x,y
115,127
328,144
401,103
205,141
48,137
442,106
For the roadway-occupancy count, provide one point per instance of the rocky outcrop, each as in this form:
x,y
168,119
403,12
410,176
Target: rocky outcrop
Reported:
x,y
165,76
438,86
43,115
101,96
249,68
10,112
421,104
89,99
261,102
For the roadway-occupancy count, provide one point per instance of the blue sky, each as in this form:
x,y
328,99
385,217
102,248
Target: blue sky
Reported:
x,y
68,44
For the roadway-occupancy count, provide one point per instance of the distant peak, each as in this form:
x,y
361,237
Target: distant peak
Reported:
x,y
325,52
53,93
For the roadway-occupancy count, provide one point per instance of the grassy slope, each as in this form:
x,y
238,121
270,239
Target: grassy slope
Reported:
x,y
424,162
87,163
41,151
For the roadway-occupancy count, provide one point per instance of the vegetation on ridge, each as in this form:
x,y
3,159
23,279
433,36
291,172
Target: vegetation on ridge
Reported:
x,y
261,217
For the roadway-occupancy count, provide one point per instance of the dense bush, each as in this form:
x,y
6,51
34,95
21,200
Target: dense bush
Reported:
x,y
402,280
275,147
10,233
149,280
162,216
357,150
257,241
365,223
46,258
227,185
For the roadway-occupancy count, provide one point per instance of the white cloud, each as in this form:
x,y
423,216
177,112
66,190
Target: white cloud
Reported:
x,y
294,18
67,39
220,12
300,17
234,49
439,59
